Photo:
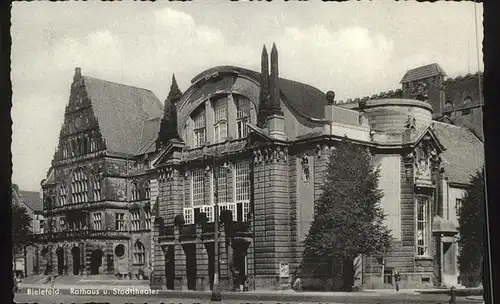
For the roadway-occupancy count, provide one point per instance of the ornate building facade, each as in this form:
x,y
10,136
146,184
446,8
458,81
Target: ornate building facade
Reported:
x,y
134,189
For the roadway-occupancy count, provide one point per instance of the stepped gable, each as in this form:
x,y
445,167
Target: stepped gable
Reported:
x,y
464,152
123,113
422,72
304,99
382,95
31,199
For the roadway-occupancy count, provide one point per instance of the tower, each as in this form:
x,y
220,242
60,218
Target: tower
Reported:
x,y
168,125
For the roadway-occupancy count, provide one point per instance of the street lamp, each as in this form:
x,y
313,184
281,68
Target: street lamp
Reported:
x,y
216,295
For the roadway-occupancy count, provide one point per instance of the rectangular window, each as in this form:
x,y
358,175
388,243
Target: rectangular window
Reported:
x,y
96,183
120,221
62,224
147,218
422,226
229,206
198,187
135,220
220,120
199,128
242,170
209,212
97,221
220,184
188,216
242,115
458,204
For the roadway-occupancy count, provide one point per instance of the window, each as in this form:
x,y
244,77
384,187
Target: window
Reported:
x,y
97,221
120,221
79,187
139,253
147,190
422,226
147,218
220,184
220,120
62,224
199,128
96,185
242,115
63,192
242,181
188,216
135,220
198,187
135,192
458,204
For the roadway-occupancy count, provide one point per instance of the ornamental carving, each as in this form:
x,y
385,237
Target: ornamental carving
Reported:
x,y
270,154
411,123
424,158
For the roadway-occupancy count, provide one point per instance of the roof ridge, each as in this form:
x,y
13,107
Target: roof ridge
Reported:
x,y
121,84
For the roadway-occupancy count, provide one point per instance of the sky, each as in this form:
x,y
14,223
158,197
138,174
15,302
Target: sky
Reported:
x,y
353,48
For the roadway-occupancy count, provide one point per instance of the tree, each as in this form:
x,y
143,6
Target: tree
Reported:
x,y
471,227
22,235
348,218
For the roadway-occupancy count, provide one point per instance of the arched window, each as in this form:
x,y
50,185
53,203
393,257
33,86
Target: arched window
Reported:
x,y
96,185
63,192
242,115
198,118
135,192
73,148
79,186
139,253
147,189
220,120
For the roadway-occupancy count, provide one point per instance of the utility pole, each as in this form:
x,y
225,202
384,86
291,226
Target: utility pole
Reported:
x,y
216,296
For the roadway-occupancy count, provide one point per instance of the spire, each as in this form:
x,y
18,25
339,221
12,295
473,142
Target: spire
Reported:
x,y
274,107
78,74
168,125
264,86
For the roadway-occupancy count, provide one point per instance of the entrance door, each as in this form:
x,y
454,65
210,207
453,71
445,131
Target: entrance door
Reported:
x,y
211,263
449,265
75,252
170,267
95,261
190,251
60,260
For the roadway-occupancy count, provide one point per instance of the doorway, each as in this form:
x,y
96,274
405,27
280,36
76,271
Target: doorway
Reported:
x,y
60,261
191,271
95,261
211,263
449,264
170,267
75,252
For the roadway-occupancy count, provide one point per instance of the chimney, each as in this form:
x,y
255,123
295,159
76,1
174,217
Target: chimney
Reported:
x,y
330,106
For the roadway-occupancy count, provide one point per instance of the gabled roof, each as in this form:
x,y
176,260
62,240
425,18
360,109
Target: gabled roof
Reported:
x,y
31,199
149,135
121,111
425,71
303,98
464,153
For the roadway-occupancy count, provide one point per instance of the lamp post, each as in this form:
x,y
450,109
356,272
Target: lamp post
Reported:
x,y
216,296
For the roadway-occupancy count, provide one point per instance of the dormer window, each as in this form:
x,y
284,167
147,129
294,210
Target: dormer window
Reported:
x,y
220,120
199,127
242,115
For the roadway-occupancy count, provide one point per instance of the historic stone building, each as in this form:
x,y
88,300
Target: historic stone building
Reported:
x,y
97,192
133,188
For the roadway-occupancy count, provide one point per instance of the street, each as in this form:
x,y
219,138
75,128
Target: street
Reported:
x,y
113,299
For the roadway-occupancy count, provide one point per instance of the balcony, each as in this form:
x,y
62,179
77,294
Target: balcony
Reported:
x,y
82,234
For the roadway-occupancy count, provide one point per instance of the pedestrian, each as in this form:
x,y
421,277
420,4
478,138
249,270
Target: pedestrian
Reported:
x,y
397,278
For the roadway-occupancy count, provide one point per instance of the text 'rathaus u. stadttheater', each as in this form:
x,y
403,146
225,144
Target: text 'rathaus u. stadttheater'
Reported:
x,y
134,183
